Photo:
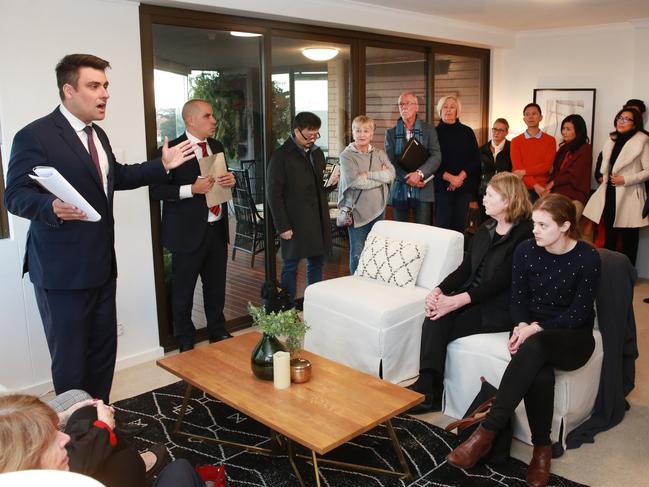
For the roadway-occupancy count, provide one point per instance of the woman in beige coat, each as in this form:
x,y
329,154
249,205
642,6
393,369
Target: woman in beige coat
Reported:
x,y
617,204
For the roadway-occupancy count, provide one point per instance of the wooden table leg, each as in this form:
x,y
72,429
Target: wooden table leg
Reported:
x,y
291,459
315,468
183,409
398,451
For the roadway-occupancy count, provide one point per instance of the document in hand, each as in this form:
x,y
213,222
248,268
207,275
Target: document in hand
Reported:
x,y
331,169
215,166
51,180
414,155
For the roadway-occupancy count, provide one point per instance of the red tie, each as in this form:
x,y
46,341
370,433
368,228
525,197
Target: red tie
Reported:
x,y
216,210
93,150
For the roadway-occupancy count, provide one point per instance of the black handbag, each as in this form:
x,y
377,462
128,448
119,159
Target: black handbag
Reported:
x,y
274,298
474,416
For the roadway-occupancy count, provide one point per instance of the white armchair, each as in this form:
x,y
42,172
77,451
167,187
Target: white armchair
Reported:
x,y
372,326
486,355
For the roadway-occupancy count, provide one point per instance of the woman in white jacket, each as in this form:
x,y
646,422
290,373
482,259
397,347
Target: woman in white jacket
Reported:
x,y
617,204
365,173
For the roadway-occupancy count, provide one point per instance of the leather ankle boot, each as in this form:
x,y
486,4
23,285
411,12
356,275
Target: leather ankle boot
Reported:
x,y
477,446
538,473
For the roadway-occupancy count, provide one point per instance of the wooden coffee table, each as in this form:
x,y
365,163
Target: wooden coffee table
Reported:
x,y
335,406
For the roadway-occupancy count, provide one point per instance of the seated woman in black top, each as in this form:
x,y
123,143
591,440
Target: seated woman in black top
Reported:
x,y
30,439
554,281
475,297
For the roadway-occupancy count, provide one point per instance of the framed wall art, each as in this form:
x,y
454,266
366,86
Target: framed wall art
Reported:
x,y
557,103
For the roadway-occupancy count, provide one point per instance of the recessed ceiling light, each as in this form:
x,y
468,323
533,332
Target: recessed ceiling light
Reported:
x,y
320,54
243,34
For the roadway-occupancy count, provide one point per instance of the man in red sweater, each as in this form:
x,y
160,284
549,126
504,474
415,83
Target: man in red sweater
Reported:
x,y
533,152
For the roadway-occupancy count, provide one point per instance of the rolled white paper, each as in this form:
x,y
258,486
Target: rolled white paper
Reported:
x,y
282,370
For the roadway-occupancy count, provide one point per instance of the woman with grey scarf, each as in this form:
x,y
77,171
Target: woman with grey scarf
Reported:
x,y
365,173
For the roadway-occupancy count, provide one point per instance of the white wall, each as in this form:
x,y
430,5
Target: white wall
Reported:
x,y
34,35
612,59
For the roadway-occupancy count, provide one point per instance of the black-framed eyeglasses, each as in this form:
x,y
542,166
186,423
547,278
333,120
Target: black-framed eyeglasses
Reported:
x,y
624,119
317,135
494,129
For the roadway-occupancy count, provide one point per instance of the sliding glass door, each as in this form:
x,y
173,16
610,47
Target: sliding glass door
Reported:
x,y
257,74
225,70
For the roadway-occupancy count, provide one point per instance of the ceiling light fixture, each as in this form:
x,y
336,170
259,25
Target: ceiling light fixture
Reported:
x,y
320,54
243,34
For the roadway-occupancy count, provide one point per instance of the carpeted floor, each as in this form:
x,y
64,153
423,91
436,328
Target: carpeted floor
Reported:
x,y
425,447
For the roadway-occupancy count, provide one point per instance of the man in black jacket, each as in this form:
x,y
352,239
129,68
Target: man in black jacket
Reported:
x,y
196,235
298,201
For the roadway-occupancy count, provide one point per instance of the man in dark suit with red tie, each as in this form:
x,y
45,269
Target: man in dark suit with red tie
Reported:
x,y
196,236
70,261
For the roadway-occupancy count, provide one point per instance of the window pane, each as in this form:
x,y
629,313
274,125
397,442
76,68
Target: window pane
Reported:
x,y
224,70
461,76
390,72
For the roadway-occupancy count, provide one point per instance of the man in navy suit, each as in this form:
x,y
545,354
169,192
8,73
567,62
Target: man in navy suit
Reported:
x,y
70,261
196,236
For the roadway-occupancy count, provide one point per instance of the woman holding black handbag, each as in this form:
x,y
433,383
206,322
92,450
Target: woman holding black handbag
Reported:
x,y
554,281
365,173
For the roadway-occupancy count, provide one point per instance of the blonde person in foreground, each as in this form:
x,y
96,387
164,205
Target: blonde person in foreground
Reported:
x,y
30,439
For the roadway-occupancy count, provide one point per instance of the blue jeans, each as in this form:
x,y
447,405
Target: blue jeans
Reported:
x,y
357,237
423,214
288,280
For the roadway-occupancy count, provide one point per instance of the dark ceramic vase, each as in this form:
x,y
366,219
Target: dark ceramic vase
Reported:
x,y
262,356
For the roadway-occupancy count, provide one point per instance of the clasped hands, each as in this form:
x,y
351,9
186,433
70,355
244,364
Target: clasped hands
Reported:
x,y
522,332
454,181
105,413
438,304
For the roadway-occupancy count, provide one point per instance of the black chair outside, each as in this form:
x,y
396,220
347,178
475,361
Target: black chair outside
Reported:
x,y
339,236
249,232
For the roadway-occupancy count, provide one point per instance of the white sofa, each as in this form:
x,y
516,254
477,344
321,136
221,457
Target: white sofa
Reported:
x,y
486,355
374,327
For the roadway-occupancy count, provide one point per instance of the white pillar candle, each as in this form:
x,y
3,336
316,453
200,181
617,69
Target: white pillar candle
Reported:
x,y
281,370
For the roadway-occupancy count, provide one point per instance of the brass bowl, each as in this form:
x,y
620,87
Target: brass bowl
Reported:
x,y
300,370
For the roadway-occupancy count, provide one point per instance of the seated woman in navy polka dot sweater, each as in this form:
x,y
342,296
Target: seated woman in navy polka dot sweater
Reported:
x,y
554,281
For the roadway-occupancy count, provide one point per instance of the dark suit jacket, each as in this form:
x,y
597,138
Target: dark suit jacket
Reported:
x,y
493,293
184,222
71,254
298,201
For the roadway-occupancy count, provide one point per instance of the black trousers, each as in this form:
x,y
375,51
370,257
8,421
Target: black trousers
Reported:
x,y
209,261
620,239
437,334
451,209
81,331
530,377
179,473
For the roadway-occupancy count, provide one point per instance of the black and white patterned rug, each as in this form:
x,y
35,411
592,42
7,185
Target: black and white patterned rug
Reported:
x,y
425,446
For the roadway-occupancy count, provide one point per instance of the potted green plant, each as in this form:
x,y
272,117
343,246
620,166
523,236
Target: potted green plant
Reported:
x,y
275,325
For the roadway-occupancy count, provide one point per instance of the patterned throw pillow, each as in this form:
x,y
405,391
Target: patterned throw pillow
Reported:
x,y
395,262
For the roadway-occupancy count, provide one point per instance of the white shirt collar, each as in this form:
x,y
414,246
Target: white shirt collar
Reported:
x,y
192,139
537,136
77,124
